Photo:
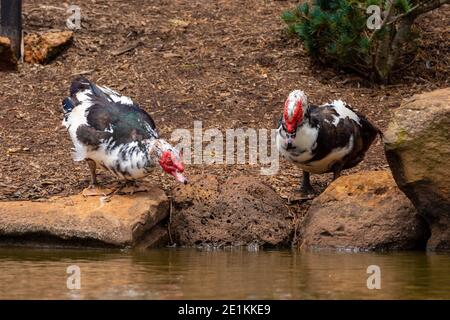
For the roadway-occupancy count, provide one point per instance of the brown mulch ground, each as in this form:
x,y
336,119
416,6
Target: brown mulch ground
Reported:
x,y
226,63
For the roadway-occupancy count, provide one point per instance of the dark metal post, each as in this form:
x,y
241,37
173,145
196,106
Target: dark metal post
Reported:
x,y
11,23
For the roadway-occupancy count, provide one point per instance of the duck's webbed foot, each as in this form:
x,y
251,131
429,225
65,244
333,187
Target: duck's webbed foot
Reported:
x,y
94,189
91,190
306,190
130,187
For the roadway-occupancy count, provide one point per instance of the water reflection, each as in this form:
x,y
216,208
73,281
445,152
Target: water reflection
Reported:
x,y
237,274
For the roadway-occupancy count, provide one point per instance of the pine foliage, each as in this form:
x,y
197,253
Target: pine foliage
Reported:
x,y
336,31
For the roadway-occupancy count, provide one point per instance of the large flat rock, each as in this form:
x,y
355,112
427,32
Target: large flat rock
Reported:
x,y
77,220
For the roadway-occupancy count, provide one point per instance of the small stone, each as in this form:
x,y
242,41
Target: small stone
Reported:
x,y
42,48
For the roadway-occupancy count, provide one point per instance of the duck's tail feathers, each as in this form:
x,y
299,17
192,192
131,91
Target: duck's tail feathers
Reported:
x,y
80,83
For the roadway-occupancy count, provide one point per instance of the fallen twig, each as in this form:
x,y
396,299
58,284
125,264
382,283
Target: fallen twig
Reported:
x,y
127,48
81,73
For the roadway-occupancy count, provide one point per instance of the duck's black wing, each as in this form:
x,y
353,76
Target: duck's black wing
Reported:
x,y
330,136
110,115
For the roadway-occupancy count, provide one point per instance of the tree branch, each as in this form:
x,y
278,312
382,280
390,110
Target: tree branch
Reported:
x,y
396,18
387,15
419,9
426,6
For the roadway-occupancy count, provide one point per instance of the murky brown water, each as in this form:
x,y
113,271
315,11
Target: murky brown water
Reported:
x,y
193,274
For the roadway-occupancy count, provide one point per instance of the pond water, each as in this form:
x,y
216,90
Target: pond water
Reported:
x,y
226,274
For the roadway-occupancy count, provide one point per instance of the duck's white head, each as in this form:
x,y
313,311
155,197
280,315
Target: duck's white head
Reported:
x,y
169,158
294,108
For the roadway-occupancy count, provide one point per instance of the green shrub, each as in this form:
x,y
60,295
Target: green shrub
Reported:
x,y
336,32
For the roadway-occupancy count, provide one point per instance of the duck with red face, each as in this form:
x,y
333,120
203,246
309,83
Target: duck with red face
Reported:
x,y
320,139
171,162
293,115
110,131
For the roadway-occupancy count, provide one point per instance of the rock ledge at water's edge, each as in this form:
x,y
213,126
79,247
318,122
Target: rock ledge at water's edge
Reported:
x,y
364,211
86,221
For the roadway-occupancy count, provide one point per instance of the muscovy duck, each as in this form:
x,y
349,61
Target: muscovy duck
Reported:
x,y
111,131
319,139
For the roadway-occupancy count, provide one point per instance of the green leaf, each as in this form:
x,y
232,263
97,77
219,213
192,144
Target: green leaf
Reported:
x,y
403,5
289,17
364,44
373,2
303,8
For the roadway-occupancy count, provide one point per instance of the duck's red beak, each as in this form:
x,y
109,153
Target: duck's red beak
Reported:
x,y
173,166
180,177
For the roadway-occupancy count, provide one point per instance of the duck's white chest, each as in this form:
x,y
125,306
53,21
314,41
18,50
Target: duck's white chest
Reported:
x,y
305,148
304,143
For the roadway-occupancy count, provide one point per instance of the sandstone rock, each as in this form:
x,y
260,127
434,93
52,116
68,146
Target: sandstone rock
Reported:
x,y
158,236
363,211
41,48
8,60
418,151
76,220
241,211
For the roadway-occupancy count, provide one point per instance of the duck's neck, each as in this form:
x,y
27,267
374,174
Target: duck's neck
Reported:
x,y
156,147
